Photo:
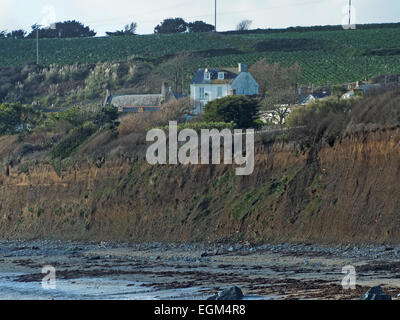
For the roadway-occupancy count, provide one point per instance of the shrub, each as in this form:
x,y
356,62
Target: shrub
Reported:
x,y
376,111
85,122
310,115
74,139
77,116
331,119
16,118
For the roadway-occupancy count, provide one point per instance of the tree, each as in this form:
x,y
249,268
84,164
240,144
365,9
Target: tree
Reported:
x,y
43,33
173,71
200,26
129,30
244,25
107,114
66,29
171,25
15,117
16,34
3,34
338,90
278,86
240,109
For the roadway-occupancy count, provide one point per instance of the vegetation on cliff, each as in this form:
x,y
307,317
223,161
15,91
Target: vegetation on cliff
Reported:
x,y
332,173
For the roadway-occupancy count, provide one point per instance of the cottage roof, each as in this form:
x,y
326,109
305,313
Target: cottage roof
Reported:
x,y
136,100
366,87
229,76
315,96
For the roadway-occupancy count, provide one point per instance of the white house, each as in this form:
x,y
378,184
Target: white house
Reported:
x,y
211,84
361,89
314,97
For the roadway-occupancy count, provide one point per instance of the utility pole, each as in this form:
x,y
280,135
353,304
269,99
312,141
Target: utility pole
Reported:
x,y
37,44
349,12
215,21
38,26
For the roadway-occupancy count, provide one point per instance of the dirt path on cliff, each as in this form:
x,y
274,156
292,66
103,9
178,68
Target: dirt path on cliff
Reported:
x,y
193,271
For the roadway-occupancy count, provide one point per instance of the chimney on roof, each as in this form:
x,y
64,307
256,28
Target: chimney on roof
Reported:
x,y
107,99
164,90
242,67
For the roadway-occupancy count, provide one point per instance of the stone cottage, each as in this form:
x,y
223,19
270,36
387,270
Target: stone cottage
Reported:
x,y
141,102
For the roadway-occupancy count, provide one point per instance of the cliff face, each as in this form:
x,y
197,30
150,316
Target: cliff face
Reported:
x,y
345,193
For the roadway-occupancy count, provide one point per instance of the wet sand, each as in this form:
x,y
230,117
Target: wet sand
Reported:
x,y
193,271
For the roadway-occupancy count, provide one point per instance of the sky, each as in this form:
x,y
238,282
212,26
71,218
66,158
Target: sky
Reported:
x,y
102,15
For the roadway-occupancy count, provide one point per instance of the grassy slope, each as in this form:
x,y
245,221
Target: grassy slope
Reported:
x,y
340,57
290,197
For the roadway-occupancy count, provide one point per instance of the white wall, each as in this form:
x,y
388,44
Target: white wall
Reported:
x,y
211,91
244,84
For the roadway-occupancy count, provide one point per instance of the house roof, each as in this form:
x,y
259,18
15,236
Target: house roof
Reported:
x,y
366,87
315,96
137,100
348,95
228,77
320,95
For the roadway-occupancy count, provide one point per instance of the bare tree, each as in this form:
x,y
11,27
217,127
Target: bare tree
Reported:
x,y
244,25
173,70
278,87
131,28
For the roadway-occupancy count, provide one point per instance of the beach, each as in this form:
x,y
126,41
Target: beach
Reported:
x,y
151,271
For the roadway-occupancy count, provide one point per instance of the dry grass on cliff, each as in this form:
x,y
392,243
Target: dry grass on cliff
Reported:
x,y
132,130
7,145
142,122
97,144
331,119
381,111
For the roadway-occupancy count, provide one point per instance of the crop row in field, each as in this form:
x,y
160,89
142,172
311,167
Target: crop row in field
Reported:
x,y
335,56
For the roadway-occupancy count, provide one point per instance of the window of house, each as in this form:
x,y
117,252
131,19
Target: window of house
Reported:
x,y
221,76
202,93
219,93
207,75
202,106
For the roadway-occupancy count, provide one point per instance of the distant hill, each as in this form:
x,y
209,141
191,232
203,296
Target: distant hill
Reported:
x,y
328,54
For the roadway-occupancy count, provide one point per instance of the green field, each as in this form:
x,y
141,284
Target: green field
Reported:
x,y
327,57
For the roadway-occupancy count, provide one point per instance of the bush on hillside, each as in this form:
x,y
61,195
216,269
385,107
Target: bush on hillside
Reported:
x,y
238,109
331,119
17,118
322,119
84,123
171,25
66,29
74,139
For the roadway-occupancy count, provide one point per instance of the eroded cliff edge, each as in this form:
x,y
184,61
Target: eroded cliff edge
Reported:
x,y
345,193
